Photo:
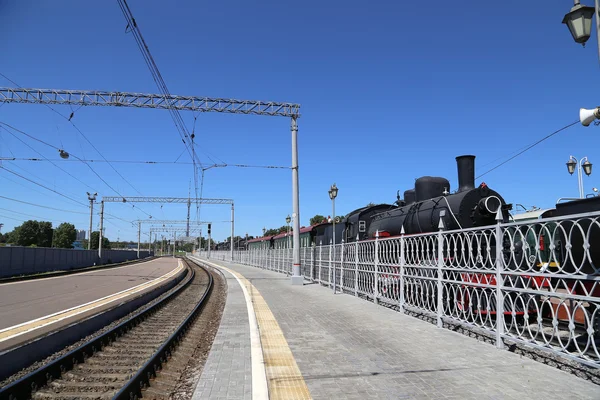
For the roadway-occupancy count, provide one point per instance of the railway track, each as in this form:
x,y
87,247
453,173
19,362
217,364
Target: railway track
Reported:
x,y
126,362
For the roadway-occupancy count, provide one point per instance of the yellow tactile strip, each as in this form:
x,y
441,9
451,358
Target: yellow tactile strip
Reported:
x,y
13,331
284,378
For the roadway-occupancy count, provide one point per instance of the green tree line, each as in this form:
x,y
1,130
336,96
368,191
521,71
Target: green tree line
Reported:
x,y
34,233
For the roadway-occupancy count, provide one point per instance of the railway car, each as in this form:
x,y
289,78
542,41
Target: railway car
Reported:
x,y
285,240
264,242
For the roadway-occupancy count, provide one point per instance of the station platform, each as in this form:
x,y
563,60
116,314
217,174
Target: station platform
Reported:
x,y
279,341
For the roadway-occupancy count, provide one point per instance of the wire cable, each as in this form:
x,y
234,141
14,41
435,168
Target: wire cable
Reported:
x,y
42,206
528,147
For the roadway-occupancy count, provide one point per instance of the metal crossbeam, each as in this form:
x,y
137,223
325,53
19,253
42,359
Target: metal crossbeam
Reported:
x,y
182,200
169,221
145,100
174,229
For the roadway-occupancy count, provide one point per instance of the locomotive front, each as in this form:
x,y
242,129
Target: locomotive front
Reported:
x,y
423,206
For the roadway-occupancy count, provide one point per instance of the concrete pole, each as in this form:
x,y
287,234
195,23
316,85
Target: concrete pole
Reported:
x,y
139,238
101,227
296,277
187,227
232,224
174,239
91,220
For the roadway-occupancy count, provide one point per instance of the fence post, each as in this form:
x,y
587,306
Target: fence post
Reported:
x,y
312,262
356,266
330,254
376,280
342,268
499,282
402,262
440,264
320,259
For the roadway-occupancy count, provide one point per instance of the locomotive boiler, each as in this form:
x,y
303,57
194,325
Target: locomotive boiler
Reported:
x,y
430,200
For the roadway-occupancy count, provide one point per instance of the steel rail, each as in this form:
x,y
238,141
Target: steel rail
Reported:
x,y
23,387
133,388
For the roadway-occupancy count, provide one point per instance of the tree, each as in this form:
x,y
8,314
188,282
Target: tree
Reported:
x,y
27,233
65,235
95,239
317,219
45,234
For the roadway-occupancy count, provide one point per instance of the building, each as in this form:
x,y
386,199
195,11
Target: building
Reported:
x,y
80,235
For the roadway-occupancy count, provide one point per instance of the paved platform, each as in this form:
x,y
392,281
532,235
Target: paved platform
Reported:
x,y
31,308
348,348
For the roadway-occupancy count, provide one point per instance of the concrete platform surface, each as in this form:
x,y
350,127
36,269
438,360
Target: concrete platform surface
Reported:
x,y
27,300
348,348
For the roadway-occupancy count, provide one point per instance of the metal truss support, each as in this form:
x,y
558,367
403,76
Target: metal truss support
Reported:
x,y
145,100
170,102
175,200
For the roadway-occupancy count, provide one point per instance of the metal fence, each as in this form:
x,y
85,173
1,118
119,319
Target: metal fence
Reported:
x,y
540,286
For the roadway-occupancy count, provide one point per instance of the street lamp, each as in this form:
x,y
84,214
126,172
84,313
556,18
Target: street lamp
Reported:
x,y
333,191
584,165
288,219
579,21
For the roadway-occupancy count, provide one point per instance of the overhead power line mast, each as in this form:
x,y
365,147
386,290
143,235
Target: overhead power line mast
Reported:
x,y
172,200
172,102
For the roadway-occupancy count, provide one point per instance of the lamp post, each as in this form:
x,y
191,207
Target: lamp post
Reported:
x,y
582,164
579,22
333,191
91,198
288,219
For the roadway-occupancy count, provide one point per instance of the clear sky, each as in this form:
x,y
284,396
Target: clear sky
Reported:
x,y
389,91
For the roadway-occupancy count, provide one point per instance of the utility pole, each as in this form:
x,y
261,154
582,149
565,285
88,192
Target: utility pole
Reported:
x,y
1,225
297,279
139,238
232,224
101,227
174,240
91,198
189,203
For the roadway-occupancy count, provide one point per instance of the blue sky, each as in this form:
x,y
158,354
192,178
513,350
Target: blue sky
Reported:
x,y
389,91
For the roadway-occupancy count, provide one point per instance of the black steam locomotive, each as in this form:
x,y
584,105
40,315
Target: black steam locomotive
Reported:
x,y
430,201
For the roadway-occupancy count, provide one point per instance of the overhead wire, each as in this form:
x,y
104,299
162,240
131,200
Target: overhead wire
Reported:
x,y
186,138
529,147
50,161
43,186
224,165
69,119
71,154
42,206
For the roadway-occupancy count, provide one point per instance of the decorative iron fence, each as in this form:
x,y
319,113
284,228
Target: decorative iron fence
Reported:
x,y
535,283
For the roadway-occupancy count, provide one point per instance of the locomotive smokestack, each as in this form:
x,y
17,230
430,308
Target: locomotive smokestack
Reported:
x,y
466,172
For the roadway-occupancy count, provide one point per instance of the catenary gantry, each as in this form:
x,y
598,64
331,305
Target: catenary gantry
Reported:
x,y
147,100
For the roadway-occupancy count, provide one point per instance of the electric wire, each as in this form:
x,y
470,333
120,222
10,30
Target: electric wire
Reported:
x,y
89,142
73,155
143,162
42,206
51,162
33,216
529,147
43,186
